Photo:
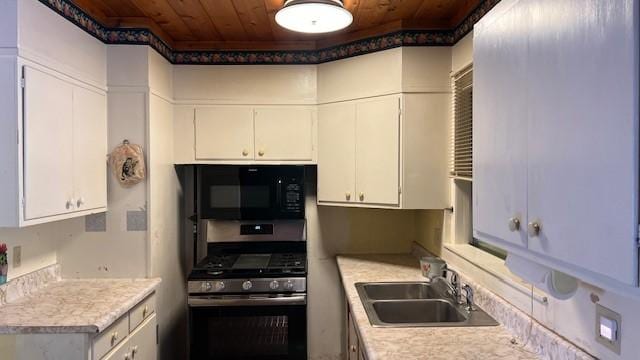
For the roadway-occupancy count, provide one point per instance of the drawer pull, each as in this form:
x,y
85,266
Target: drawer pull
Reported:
x,y
145,311
134,351
114,338
353,348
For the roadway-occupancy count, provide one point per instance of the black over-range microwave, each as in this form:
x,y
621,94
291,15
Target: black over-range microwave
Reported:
x,y
244,192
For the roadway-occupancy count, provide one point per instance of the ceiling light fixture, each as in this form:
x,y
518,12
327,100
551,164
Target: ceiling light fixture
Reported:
x,y
314,16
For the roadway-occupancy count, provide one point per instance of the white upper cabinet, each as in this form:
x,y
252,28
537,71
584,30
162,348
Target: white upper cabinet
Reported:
x,y
89,149
48,145
245,134
224,133
556,134
284,133
62,146
499,131
337,155
386,152
378,151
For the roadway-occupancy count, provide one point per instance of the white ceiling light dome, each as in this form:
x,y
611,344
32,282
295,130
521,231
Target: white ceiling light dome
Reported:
x,y
314,16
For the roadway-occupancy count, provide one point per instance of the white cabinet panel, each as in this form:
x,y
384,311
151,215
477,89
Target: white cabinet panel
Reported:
x,y
284,133
336,156
90,149
142,342
582,148
556,134
224,133
378,150
499,131
48,145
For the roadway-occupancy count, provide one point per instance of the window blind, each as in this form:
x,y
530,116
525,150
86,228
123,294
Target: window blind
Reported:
x,y
462,139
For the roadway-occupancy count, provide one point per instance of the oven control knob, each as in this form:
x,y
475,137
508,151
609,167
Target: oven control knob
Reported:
x,y
219,285
247,285
274,285
288,285
206,286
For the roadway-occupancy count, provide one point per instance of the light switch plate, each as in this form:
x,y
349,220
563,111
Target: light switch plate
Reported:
x,y
608,328
17,256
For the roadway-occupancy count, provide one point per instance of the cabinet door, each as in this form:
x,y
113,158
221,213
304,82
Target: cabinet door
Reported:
x,y
378,151
500,127
337,152
352,340
224,133
142,342
48,145
90,149
121,352
284,133
583,133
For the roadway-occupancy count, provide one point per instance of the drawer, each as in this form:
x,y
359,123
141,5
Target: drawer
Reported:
x,y
112,336
143,310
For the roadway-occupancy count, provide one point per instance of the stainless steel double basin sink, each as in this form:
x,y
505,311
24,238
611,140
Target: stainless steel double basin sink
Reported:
x,y
417,304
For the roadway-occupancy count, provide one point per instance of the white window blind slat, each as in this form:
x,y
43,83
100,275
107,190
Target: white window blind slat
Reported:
x,y
462,124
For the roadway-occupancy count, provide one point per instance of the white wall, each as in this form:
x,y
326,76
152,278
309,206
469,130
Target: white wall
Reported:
x,y
573,319
116,252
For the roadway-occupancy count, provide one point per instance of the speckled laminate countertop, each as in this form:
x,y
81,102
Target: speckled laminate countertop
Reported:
x,y
464,343
74,306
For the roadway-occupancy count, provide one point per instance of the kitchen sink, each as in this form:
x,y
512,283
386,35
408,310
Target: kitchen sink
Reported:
x,y
411,311
417,304
394,291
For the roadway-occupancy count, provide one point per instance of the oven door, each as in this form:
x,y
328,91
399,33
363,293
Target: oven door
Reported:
x,y
248,327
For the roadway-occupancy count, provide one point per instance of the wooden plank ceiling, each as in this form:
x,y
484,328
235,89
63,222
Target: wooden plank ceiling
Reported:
x,y
250,24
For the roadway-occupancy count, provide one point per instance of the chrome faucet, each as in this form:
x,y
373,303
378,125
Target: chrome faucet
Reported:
x,y
454,285
471,306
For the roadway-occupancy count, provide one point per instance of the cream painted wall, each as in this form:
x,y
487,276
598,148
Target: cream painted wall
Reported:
x,y
167,248
408,69
116,252
246,84
573,319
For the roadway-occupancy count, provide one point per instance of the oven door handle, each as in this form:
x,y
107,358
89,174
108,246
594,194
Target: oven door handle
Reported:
x,y
203,301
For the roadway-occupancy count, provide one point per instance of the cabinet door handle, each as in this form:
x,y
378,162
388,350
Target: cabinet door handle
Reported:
x,y
361,196
261,153
69,204
80,202
534,228
347,195
245,152
514,224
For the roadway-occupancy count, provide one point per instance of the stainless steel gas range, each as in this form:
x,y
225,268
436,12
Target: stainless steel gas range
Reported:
x,y
248,296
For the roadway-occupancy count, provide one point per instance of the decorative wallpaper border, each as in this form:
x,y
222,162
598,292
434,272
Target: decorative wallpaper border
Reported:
x,y
139,36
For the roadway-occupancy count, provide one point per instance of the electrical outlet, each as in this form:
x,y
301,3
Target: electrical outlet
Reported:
x,y
608,328
17,256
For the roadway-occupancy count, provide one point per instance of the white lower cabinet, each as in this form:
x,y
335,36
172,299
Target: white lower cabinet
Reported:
x,y
355,348
140,344
132,337
56,167
556,136
387,152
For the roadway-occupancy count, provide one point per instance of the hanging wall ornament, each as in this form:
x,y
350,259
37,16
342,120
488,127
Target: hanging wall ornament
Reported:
x,y
127,163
